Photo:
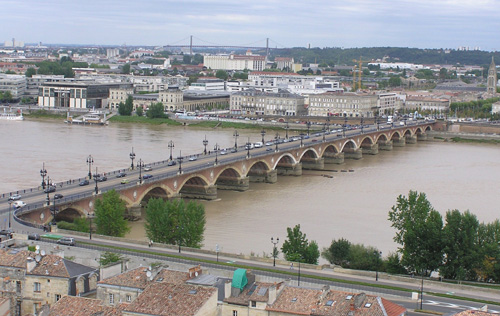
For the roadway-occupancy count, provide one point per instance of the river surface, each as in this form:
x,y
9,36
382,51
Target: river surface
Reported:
x,y
352,205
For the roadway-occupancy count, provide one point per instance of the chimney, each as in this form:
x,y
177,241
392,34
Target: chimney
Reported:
x,y
195,271
227,289
30,264
273,293
324,292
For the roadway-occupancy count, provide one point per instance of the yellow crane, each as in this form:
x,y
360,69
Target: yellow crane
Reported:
x,y
360,71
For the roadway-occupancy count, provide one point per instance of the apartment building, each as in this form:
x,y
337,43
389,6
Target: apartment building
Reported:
x,y
253,102
16,84
235,62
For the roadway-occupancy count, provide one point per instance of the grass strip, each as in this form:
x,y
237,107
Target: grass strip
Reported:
x,y
228,264
144,120
470,140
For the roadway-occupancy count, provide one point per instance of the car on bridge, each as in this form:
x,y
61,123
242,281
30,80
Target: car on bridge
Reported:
x,y
124,181
147,176
171,163
19,204
121,175
223,152
193,158
84,182
58,196
50,189
15,197
148,168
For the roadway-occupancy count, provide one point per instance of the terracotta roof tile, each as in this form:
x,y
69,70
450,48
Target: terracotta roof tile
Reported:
x,y
475,313
258,292
171,299
81,306
15,258
137,278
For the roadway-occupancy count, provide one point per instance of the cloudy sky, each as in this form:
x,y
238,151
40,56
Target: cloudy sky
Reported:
x,y
287,23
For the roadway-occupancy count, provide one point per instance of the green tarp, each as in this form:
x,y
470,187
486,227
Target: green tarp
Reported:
x,y
239,279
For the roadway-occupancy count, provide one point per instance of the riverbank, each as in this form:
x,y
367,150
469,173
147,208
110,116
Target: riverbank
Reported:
x,y
464,137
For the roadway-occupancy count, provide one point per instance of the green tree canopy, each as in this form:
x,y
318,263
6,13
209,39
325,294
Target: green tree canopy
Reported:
x,y
126,69
297,248
126,108
419,232
109,213
139,111
338,252
221,74
30,72
175,222
156,110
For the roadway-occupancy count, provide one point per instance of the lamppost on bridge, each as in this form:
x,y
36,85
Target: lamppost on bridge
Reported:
x,y
263,133
205,143
286,129
248,145
43,173
10,211
47,199
96,179
276,139
362,127
140,164
328,122
345,125
170,146
377,122
132,157
324,132
90,162
54,211
301,139
216,149
179,160
308,127
236,134
275,254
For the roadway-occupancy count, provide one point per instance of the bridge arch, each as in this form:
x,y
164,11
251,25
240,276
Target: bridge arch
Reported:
x,y
396,135
366,141
407,133
310,153
69,214
382,138
154,191
330,149
285,159
349,145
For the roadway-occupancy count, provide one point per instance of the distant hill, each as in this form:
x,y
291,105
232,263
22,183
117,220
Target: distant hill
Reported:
x,y
339,56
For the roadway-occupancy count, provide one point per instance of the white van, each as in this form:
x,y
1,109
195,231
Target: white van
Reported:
x,y
258,145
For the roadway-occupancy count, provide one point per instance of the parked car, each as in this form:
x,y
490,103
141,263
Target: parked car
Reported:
x,y
147,176
148,168
171,163
124,181
121,175
84,182
33,236
6,232
69,241
15,197
192,158
19,204
58,196
102,178
223,152
233,150
50,189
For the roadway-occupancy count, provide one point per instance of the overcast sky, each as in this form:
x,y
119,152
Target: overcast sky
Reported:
x,y
287,23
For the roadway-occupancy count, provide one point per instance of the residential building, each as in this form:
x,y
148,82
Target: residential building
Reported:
x,y
208,84
145,100
31,280
204,100
440,105
81,306
342,104
284,63
172,98
15,84
112,52
119,94
253,102
149,83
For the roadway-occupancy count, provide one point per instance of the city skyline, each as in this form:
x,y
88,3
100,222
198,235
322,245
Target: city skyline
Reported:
x,y
318,23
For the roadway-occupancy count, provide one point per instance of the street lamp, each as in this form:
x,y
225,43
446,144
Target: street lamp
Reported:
x,y
216,149
276,137
132,157
205,143
301,139
96,179
263,133
179,240
43,173
217,249
324,132
90,228
248,147
422,291
10,211
345,125
308,127
54,211
90,161
47,199
235,134
179,159
378,254
361,124
170,146
274,249
140,164
286,130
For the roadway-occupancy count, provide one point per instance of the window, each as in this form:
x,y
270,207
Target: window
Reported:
x,y
129,298
37,287
58,297
254,303
111,298
235,313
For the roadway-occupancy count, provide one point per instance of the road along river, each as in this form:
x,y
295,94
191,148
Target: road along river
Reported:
x,y
353,205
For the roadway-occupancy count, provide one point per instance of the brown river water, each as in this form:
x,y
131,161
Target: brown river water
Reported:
x,y
352,205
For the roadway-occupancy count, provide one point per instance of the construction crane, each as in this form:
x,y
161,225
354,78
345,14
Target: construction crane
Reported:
x,y
360,71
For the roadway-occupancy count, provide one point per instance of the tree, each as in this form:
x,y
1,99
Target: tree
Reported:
x,y
297,248
109,257
461,254
109,215
156,110
362,257
419,232
394,81
30,72
338,252
126,69
393,264
221,74
126,108
139,111
175,222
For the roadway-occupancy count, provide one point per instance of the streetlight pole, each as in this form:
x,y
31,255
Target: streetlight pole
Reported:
x,y
377,254
274,249
47,199
324,133
301,139
139,164
10,211
422,291
286,129
345,125
362,124
298,280
276,137
263,133
248,147
236,134
216,149
205,143
90,228
90,161
308,127
96,179
217,249
132,157
54,212
179,159
43,173
170,146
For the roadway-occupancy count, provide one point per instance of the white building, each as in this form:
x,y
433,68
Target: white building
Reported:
x,y
119,94
16,84
235,62
112,52
149,83
208,84
33,83
253,102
